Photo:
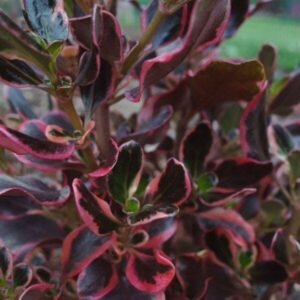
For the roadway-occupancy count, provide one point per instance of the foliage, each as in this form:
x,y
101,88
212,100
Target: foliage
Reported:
x,y
194,196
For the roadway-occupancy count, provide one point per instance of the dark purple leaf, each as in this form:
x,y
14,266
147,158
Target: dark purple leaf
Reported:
x,y
149,273
18,74
253,129
288,97
6,263
279,247
206,27
97,279
268,57
36,229
171,187
22,275
95,212
195,147
80,248
46,18
242,172
268,272
125,176
36,292
40,191
18,103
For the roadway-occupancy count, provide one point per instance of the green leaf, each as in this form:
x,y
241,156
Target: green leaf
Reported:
x,y
206,182
124,179
132,205
294,164
245,259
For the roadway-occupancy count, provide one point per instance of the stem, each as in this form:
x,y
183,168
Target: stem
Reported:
x,y
133,56
103,130
69,108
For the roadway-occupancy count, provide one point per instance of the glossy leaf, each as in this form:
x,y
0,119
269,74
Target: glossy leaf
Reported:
x,y
268,57
80,248
195,147
97,279
124,178
36,291
253,129
46,18
206,27
22,275
149,273
95,212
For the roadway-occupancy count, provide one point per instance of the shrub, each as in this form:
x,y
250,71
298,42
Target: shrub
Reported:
x,y
195,196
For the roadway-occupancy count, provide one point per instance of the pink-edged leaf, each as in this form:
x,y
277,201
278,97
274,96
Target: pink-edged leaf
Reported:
x,y
159,231
97,279
204,277
288,96
94,211
206,27
36,291
81,30
194,148
253,129
46,18
149,273
242,172
152,130
239,13
230,220
100,89
18,74
171,187
80,248
89,67
170,28
283,139
220,196
125,176
22,275
124,290
21,144
107,165
6,262
36,229
279,246
268,272
151,213
40,191
18,103
244,81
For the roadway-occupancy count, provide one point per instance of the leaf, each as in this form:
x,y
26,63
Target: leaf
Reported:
x,y
21,144
234,82
206,27
268,272
80,248
22,275
93,94
95,212
125,176
18,103
36,291
230,220
294,164
171,187
6,262
36,229
38,190
170,28
149,273
152,130
195,147
283,139
268,57
18,74
46,18
242,172
253,129
288,97
97,279
16,43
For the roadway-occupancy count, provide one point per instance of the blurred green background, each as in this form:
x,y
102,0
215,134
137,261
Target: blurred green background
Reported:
x,y
279,25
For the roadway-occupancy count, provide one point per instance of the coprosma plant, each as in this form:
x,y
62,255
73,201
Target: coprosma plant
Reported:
x,y
195,196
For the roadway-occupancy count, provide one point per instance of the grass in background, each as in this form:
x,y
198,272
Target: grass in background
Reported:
x,y
284,33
